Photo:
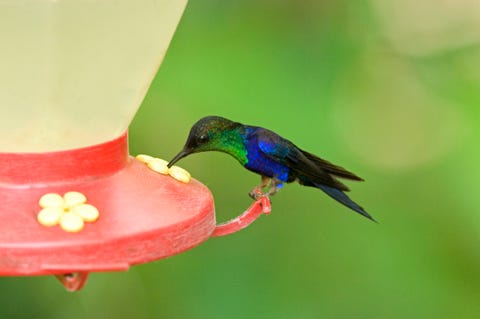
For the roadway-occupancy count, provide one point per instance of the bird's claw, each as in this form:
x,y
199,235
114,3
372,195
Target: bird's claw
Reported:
x,y
256,194
261,198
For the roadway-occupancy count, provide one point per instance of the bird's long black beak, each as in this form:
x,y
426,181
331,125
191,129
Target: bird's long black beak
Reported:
x,y
179,156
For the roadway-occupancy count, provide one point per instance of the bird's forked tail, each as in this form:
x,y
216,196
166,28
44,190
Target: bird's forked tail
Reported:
x,y
341,197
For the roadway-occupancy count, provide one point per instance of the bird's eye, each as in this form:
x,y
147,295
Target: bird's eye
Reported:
x,y
202,139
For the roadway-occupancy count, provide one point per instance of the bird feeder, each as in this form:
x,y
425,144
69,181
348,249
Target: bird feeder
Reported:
x,y
72,75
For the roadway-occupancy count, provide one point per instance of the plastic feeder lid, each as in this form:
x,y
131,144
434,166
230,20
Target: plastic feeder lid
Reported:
x,y
144,215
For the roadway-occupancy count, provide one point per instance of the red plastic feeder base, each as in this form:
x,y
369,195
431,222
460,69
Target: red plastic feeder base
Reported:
x,y
144,216
261,206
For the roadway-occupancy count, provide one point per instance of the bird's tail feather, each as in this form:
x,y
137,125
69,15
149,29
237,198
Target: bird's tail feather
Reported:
x,y
341,197
332,168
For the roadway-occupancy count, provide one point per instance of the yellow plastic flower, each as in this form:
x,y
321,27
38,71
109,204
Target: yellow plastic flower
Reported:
x,y
70,211
160,166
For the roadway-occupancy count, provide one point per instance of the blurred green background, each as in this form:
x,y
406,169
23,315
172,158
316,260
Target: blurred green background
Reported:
x,y
388,89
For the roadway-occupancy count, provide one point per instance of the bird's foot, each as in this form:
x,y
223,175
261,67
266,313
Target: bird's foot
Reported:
x,y
256,193
275,185
262,199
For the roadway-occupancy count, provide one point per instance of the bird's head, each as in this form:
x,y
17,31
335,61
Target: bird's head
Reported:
x,y
211,133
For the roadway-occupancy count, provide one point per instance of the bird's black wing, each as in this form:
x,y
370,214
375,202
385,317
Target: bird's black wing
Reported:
x,y
332,168
301,166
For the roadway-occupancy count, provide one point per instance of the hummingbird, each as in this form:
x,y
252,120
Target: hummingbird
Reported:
x,y
274,158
